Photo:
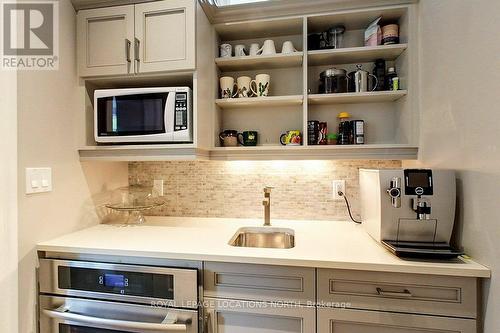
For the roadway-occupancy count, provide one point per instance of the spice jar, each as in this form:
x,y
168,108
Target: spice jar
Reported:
x,y
331,139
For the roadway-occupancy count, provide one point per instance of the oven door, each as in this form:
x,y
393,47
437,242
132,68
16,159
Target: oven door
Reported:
x,y
73,315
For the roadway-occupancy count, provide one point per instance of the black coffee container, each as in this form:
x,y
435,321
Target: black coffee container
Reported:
x,y
313,132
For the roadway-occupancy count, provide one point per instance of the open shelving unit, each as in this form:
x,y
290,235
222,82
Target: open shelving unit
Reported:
x,y
390,116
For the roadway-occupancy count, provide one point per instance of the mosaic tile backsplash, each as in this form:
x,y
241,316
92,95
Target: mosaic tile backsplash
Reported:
x,y
302,189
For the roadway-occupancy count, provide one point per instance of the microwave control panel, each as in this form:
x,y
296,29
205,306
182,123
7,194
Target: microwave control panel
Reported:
x,y
181,112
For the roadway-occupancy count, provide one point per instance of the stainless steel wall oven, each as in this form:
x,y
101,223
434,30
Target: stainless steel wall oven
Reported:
x,y
93,297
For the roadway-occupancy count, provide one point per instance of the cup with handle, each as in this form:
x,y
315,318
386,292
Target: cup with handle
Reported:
x,y
268,48
288,48
261,84
226,50
255,49
243,83
228,87
239,50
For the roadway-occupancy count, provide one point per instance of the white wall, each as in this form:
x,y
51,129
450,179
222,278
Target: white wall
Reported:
x,y
460,124
8,203
49,103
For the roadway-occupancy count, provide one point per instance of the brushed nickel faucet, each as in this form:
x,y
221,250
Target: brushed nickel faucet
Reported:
x,y
267,205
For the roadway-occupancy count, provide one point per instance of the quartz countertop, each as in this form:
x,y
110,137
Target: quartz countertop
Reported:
x,y
321,244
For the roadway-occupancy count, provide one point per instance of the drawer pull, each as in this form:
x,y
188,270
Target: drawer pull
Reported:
x,y
405,293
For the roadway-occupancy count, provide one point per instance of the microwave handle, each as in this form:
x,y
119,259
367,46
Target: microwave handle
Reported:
x,y
170,116
165,326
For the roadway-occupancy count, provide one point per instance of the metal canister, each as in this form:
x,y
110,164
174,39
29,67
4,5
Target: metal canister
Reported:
x,y
312,132
358,132
323,131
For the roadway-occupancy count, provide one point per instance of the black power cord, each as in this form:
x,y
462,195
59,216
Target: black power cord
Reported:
x,y
340,193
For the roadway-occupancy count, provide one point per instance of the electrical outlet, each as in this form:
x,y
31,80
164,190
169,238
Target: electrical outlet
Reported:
x,y
158,187
338,185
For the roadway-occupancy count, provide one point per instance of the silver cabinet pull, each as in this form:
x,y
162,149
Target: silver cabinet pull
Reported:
x,y
405,293
128,43
137,43
65,314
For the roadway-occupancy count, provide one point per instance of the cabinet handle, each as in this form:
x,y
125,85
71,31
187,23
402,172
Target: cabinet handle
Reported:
x,y
405,293
210,323
127,49
137,43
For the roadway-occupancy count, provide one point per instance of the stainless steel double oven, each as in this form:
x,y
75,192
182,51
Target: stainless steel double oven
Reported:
x,y
95,297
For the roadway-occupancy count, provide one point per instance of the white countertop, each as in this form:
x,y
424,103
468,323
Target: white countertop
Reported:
x,y
322,244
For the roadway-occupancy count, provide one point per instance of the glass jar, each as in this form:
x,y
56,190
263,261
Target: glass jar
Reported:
x,y
344,128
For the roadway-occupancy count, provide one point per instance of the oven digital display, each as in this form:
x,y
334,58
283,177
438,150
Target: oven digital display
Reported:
x,y
142,284
114,280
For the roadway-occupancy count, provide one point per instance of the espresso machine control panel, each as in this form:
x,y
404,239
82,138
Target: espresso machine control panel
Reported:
x,y
418,182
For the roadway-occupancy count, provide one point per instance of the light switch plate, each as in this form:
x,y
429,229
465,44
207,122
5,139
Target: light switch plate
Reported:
x,y
38,180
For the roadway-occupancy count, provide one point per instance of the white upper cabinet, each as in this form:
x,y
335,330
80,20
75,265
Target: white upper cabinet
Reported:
x,y
165,36
144,38
105,38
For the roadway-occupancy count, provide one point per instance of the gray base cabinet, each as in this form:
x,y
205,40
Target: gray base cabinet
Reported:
x,y
234,316
359,321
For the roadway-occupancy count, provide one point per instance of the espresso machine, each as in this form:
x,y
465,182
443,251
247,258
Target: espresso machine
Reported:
x,y
410,211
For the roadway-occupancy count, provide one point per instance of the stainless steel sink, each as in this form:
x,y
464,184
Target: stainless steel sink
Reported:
x,y
266,237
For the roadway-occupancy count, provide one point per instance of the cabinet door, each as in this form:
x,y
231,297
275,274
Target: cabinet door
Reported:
x,y
233,316
165,36
358,321
105,37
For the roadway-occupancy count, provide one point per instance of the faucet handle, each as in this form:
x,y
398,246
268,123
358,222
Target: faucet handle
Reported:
x,y
268,189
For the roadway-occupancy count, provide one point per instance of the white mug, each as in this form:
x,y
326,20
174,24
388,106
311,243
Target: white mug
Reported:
x,y
239,50
288,47
261,82
268,48
227,87
243,83
226,50
254,49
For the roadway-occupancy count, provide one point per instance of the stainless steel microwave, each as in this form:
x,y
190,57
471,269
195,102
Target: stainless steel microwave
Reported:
x,y
138,115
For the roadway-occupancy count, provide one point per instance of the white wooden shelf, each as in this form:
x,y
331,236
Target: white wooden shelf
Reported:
x,y
153,152
260,62
351,98
352,55
250,102
367,151
271,152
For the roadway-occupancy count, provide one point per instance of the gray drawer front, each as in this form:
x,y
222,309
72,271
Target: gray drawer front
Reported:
x,y
412,293
359,321
259,282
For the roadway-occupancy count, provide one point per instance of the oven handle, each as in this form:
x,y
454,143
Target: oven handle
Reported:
x,y
63,313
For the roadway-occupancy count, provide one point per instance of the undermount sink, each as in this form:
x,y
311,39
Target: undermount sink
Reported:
x,y
266,237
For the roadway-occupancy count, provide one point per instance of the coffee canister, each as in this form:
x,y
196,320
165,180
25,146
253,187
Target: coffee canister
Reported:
x,y
358,132
312,132
390,34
